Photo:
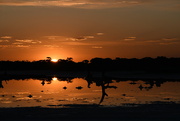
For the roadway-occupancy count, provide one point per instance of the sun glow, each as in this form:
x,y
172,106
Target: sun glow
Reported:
x,y
54,60
54,78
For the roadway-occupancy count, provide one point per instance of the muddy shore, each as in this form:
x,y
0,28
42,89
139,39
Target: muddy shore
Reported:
x,y
160,112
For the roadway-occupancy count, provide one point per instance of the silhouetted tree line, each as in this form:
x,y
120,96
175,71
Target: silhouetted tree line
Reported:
x,y
158,64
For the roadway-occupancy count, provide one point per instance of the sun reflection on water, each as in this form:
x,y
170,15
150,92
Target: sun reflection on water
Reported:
x,y
62,91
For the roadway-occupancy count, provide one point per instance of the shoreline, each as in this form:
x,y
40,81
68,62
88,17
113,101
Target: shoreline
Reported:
x,y
142,112
157,111
95,74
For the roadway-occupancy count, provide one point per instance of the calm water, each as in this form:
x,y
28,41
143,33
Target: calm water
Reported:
x,y
61,92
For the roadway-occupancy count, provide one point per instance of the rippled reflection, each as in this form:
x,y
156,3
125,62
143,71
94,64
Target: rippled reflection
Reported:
x,y
62,91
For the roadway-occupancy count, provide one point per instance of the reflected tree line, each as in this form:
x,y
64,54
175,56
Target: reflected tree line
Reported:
x,y
158,64
104,82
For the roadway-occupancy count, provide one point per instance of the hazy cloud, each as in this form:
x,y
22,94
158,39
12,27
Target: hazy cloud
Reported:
x,y
77,43
152,41
82,38
100,34
129,39
89,37
59,38
17,43
8,41
14,46
4,40
97,47
26,41
170,39
51,46
168,43
4,46
29,41
89,4
69,41
6,37
164,41
72,3
23,46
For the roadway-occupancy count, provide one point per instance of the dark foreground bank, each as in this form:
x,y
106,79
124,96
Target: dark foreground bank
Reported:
x,y
157,112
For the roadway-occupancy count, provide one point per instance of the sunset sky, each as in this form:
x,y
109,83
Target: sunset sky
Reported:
x,y
84,29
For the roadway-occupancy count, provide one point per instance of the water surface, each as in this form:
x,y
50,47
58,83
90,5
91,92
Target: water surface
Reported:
x,y
63,92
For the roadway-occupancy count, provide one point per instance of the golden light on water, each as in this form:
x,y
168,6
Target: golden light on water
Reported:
x,y
54,60
53,93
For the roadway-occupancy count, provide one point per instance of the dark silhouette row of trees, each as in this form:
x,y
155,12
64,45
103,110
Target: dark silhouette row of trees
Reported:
x,y
160,64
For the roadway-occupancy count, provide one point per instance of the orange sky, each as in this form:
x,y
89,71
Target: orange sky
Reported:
x,y
83,29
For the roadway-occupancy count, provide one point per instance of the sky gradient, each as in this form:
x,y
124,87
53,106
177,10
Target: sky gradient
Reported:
x,y
83,29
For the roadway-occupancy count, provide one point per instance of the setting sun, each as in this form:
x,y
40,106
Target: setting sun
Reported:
x,y
54,78
54,60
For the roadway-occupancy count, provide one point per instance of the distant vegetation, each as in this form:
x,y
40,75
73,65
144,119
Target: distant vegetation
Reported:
x,y
158,64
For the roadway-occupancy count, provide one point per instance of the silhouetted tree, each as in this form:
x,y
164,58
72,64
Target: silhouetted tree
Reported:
x,y
85,61
48,59
159,64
